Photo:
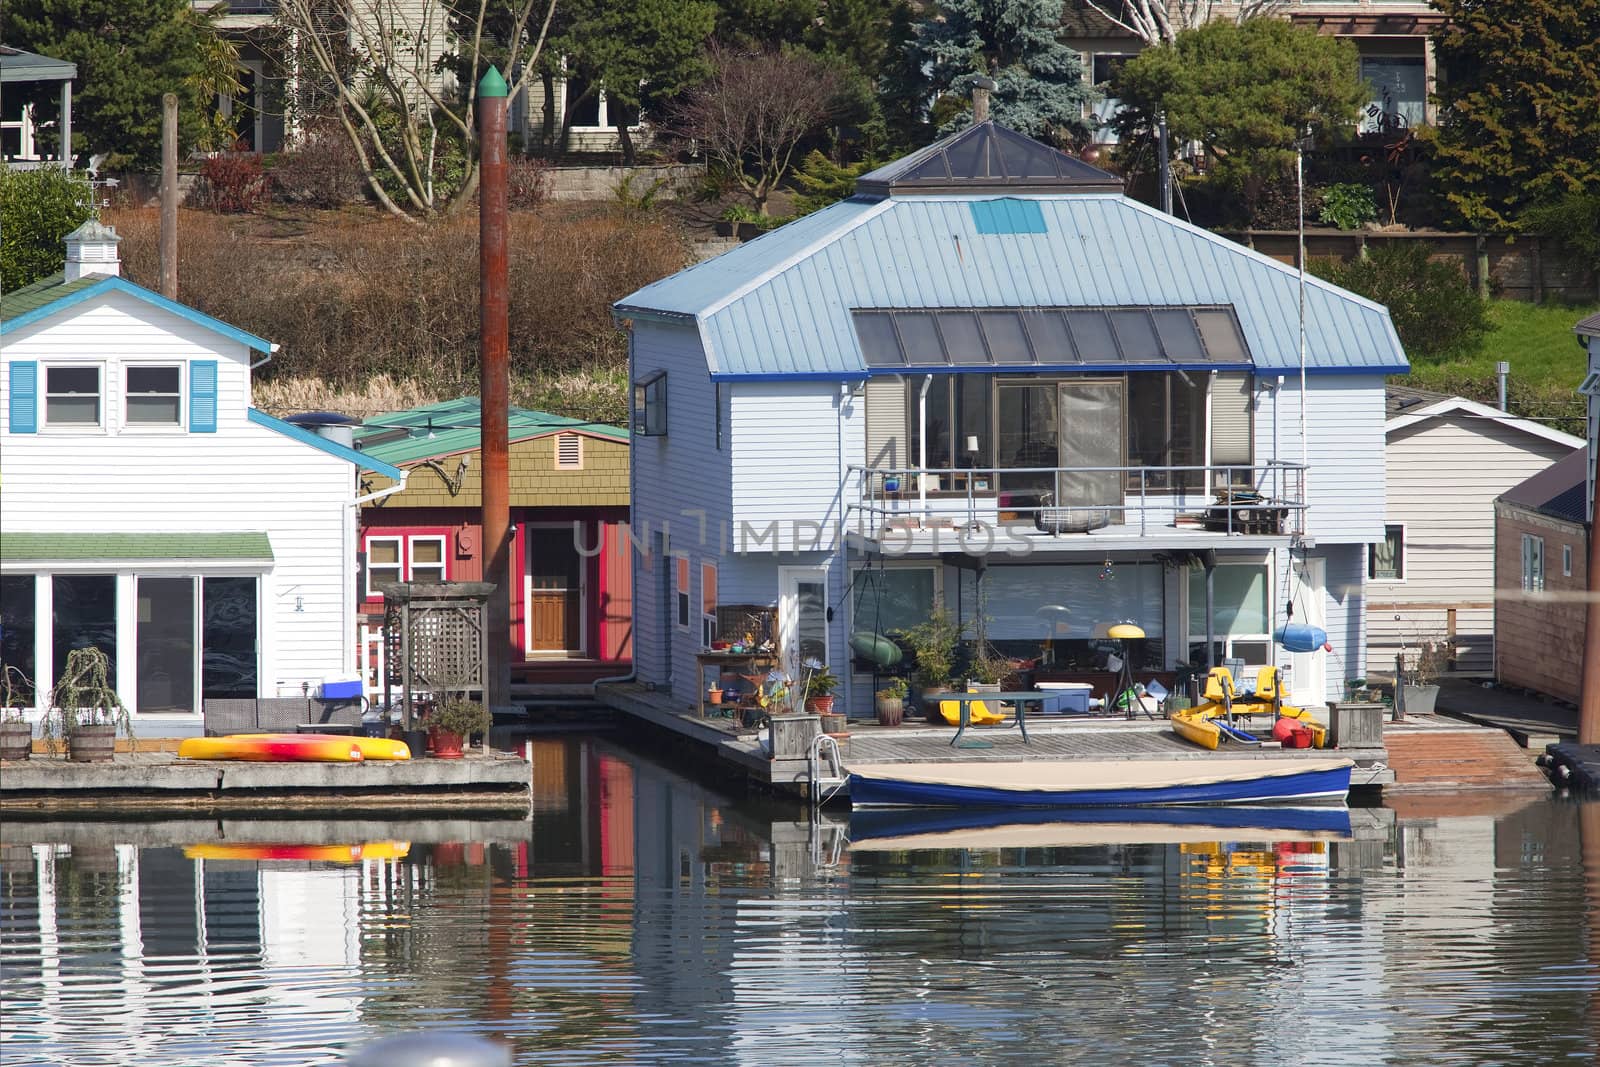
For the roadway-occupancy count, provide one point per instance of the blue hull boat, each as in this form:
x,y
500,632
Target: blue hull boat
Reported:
x,y
1098,783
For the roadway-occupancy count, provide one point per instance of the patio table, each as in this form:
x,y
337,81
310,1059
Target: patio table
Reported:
x,y
1020,700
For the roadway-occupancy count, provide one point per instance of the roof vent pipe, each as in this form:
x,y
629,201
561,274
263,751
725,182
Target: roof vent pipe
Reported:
x,y
981,88
1503,369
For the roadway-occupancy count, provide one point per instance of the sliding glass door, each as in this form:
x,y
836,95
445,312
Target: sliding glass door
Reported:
x,y
166,645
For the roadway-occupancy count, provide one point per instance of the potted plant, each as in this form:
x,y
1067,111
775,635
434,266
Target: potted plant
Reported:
x,y
16,733
820,684
85,711
891,702
1419,688
453,724
933,642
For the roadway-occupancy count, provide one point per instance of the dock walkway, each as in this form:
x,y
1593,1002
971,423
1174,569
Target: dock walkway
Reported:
x,y
1074,738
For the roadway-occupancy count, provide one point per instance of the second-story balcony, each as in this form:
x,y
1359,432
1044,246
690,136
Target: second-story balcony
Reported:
x,y
1022,509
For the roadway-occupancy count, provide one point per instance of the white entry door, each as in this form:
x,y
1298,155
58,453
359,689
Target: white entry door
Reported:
x,y
1309,596
802,616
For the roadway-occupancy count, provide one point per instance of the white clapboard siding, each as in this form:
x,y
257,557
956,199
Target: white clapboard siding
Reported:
x,y
792,450
1344,438
681,484
243,477
1443,475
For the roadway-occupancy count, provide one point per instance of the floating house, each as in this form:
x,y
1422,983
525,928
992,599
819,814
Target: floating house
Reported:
x,y
1431,577
990,380
147,509
571,600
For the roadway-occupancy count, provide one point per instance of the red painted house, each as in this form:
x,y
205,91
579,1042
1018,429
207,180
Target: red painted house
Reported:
x,y
572,596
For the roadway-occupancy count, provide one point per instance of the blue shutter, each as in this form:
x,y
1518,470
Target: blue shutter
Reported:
x,y
203,396
24,396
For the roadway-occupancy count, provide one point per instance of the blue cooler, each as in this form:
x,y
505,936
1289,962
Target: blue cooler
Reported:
x,y
339,689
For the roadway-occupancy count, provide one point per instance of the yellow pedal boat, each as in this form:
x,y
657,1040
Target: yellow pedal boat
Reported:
x,y
1200,724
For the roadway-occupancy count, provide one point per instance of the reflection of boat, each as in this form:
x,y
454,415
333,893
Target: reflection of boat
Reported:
x,y
1097,783
879,830
372,850
293,748
1211,722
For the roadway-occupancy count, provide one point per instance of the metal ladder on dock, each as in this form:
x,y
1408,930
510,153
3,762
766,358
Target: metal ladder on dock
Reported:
x,y
824,768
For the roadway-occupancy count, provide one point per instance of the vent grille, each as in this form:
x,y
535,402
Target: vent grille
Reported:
x,y
569,452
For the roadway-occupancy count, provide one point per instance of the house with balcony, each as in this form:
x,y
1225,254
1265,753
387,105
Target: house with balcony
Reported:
x,y
990,380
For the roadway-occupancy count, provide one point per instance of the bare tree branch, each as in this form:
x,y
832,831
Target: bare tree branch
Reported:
x,y
1158,22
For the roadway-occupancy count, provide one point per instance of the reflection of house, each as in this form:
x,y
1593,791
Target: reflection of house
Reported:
x,y
147,509
18,131
1542,529
1432,576
1391,37
571,607
1032,398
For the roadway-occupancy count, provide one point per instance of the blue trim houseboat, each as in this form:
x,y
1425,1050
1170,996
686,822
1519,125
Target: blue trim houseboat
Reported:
x,y
991,380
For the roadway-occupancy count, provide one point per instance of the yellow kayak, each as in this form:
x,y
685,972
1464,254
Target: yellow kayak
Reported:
x,y
372,850
293,748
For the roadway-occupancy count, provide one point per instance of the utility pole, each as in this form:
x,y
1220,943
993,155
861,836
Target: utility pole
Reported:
x,y
494,387
167,241
1589,695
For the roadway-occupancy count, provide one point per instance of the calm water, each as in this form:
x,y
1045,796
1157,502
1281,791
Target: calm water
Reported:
x,y
642,918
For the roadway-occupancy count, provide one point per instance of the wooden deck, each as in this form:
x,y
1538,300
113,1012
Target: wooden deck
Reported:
x,y
1433,753
1053,738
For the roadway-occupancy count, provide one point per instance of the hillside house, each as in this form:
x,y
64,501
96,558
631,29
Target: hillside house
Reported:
x,y
990,380
571,598
1432,576
146,508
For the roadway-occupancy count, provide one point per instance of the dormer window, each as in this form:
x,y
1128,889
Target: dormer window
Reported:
x,y
72,396
154,396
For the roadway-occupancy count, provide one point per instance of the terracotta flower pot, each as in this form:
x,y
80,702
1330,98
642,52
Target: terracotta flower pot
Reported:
x,y
447,745
820,705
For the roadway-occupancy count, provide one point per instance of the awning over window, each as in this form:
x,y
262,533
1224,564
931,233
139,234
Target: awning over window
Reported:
x,y
231,547
1153,337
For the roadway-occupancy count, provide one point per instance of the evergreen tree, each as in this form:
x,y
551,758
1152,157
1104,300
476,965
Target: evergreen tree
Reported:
x,y
643,52
764,24
128,52
1040,89
1246,91
1518,92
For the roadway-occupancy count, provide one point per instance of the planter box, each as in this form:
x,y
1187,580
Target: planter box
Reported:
x,y
1356,725
1418,699
789,736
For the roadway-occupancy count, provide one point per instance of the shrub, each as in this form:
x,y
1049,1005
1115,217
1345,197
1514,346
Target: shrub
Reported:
x,y
236,182
527,182
1573,224
1348,205
323,172
37,209
1435,310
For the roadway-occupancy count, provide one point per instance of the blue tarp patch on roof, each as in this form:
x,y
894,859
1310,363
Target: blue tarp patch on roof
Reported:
x,y
1008,215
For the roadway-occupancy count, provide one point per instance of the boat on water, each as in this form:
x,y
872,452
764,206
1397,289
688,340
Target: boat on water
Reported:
x,y
1216,719
892,829
293,748
1099,783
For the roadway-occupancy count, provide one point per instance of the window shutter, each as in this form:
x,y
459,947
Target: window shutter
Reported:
x,y
24,396
1231,422
886,422
203,396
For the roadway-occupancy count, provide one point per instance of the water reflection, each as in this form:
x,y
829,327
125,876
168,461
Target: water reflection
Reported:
x,y
640,917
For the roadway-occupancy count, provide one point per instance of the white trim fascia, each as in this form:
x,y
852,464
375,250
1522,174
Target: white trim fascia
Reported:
x,y
209,567
1484,411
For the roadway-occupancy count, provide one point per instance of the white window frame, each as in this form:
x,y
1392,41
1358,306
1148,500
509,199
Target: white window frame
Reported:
x,y
708,619
1228,638
1532,563
561,464
411,555
128,424
1400,557
1566,561
398,566
45,423
682,591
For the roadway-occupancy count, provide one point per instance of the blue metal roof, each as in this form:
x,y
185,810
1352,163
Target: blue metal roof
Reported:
x,y
779,306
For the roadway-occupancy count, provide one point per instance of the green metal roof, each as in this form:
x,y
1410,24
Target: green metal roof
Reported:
x,y
251,545
453,426
42,292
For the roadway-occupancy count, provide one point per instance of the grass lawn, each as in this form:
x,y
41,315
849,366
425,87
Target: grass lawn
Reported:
x,y
1546,362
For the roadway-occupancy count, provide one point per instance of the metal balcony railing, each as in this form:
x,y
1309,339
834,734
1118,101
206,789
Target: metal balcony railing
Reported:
x,y
1264,498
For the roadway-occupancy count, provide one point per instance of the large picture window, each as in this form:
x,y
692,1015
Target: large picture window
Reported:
x,y
18,626
1241,613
